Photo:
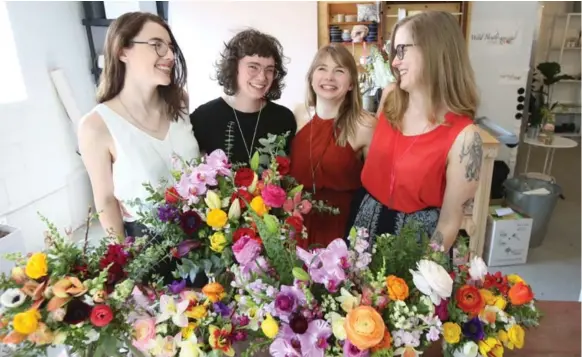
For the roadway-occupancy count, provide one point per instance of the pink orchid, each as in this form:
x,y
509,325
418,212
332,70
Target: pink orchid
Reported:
x,y
297,207
219,162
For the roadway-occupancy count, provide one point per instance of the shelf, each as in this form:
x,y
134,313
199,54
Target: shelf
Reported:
x,y
352,23
97,22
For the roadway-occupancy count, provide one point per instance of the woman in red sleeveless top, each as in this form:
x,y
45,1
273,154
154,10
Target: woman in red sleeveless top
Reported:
x,y
326,154
425,158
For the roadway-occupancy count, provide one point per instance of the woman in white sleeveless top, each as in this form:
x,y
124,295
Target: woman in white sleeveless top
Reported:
x,y
141,118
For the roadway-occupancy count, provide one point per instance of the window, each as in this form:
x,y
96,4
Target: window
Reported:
x,y
12,88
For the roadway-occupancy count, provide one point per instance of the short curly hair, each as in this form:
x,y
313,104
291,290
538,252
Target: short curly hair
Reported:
x,y
250,42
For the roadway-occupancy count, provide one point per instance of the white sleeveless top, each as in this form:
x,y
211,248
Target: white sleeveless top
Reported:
x,y
142,158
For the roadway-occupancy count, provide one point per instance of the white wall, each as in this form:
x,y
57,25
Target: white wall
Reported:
x,y
201,28
39,169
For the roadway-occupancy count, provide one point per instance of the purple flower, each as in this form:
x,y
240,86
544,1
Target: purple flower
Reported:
x,y
242,320
221,308
283,348
287,301
473,329
168,213
177,286
298,323
190,221
352,351
185,247
219,162
313,341
442,310
327,266
246,250
240,335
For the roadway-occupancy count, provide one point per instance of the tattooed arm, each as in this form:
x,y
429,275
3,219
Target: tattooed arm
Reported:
x,y
463,175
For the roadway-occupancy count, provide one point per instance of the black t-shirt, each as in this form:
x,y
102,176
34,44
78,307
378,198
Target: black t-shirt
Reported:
x,y
215,127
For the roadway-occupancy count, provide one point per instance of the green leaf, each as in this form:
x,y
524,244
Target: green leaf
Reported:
x,y
255,161
272,223
295,190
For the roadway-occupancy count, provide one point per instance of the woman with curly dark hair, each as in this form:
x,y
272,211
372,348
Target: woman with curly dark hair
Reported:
x,y
251,72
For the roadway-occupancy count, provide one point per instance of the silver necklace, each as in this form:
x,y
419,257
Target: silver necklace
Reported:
x,y
247,148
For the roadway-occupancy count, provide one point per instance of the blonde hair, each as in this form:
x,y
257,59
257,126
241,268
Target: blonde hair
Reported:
x,y
447,74
350,111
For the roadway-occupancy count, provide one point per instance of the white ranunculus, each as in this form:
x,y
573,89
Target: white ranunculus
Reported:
x,y
470,349
477,269
432,280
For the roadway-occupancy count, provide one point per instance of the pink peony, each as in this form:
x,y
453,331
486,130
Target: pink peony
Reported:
x,y
246,250
144,332
274,196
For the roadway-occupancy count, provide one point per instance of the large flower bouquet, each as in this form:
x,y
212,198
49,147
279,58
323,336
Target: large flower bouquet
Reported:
x,y
488,312
207,209
68,295
381,298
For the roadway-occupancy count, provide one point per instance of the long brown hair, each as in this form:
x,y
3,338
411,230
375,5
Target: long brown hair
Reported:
x,y
350,111
119,36
447,74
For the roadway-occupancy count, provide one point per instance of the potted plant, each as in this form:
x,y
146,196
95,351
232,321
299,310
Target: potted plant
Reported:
x,y
376,77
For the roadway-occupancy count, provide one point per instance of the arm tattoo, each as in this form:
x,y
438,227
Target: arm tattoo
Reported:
x,y
438,238
474,153
468,206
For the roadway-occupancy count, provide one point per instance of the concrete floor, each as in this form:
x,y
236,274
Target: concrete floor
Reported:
x,y
553,269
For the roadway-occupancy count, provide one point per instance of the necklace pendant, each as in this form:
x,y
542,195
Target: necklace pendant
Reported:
x,y
314,188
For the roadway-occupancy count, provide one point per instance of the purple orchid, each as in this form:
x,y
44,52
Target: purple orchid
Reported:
x,y
283,348
327,266
219,162
185,247
287,301
352,351
177,286
311,343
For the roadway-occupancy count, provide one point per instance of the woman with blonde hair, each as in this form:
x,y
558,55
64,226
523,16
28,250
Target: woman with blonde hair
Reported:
x,y
333,136
425,158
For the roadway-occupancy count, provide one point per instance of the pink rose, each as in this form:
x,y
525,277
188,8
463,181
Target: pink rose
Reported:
x,y
274,196
246,250
144,332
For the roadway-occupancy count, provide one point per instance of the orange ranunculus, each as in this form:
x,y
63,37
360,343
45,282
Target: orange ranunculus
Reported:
x,y
364,327
213,291
470,300
397,288
385,343
520,294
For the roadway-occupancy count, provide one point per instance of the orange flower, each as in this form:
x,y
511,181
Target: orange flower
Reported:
x,y
397,288
213,291
520,294
384,344
470,300
364,327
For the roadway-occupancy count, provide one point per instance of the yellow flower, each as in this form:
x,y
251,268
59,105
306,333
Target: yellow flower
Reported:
x,y
216,218
488,296
491,347
26,322
270,327
514,279
500,302
347,300
36,267
337,326
452,332
197,312
218,242
516,335
189,330
504,338
258,205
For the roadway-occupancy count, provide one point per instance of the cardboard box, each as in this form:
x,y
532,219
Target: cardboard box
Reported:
x,y
506,238
13,242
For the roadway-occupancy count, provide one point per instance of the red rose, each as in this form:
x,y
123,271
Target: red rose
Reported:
x,y
240,232
243,196
171,196
295,222
101,315
244,177
283,164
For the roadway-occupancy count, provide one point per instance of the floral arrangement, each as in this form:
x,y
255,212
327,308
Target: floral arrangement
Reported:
x,y
488,312
381,298
67,295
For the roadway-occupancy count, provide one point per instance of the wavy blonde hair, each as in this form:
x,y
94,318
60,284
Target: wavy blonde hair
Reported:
x,y
447,76
350,111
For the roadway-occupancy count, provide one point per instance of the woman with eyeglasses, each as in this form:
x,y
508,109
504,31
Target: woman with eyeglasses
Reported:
x,y
140,121
425,158
251,73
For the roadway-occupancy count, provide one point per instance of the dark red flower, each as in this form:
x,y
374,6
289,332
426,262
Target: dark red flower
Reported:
x,y
172,196
115,258
244,177
101,315
243,196
77,312
497,281
190,221
296,223
283,164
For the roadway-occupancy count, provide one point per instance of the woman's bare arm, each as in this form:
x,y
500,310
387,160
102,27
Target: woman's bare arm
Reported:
x,y
364,133
463,175
94,142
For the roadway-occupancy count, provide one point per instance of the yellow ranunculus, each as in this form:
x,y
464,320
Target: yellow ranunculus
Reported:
x,y
197,312
258,205
216,218
189,330
491,347
452,332
488,296
516,335
218,242
504,338
36,267
514,279
26,322
500,302
270,327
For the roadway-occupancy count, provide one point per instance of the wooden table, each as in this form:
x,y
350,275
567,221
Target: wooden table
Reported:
x,y
557,336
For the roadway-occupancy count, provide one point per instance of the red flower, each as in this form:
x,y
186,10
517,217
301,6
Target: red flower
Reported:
x,y
101,315
244,177
520,294
469,300
498,281
171,196
246,232
117,258
190,221
295,222
283,164
243,196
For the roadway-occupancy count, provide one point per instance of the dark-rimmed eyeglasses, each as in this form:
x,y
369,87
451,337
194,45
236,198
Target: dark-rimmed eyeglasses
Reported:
x,y
160,46
401,50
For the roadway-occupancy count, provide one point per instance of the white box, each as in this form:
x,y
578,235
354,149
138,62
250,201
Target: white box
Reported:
x,y
11,243
506,238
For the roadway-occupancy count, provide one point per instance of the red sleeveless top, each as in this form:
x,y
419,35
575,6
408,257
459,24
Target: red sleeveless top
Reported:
x,y
336,178
408,173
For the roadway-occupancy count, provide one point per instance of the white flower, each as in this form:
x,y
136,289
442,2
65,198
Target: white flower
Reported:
x,y
470,349
234,210
212,200
169,309
477,269
12,298
337,325
432,280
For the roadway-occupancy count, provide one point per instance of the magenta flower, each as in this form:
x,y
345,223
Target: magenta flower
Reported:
x,y
352,351
327,266
283,348
442,310
219,162
274,196
287,301
246,250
